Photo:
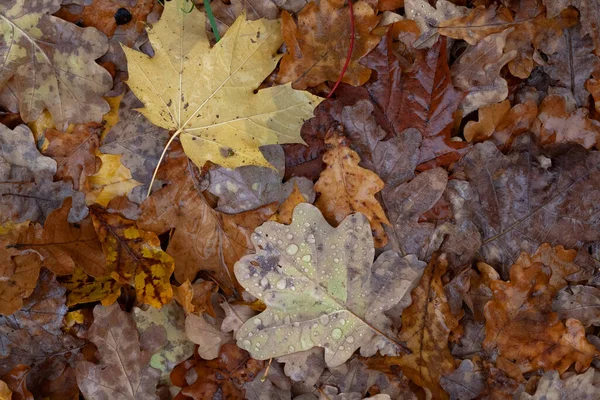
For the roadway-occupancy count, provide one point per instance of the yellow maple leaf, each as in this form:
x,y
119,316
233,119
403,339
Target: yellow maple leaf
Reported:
x,y
206,95
112,179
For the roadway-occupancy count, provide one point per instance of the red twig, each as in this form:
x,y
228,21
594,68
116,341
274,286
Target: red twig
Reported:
x,y
350,48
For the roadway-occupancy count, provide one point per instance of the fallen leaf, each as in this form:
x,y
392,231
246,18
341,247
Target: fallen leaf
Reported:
x,y
572,65
62,246
208,95
423,97
134,257
552,202
589,12
20,160
206,335
318,44
426,326
477,72
520,324
304,366
15,386
83,288
466,382
224,376
5,392
111,180
227,12
62,388
177,347
501,122
196,298
429,19
562,122
136,140
286,208
575,386
344,187
578,302
124,358
32,336
74,153
272,384
235,316
204,239
299,264
49,63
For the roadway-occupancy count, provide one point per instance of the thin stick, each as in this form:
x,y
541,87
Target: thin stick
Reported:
x,y
350,48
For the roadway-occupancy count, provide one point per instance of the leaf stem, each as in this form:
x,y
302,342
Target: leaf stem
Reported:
x,y
350,49
160,160
212,20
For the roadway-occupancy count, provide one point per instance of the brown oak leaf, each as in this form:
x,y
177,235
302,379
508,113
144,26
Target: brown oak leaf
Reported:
x,y
318,44
344,187
204,239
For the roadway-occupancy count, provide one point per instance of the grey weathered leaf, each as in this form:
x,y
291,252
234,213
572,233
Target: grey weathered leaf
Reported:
x,y
19,155
471,343
519,201
139,142
465,383
304,366
321,288
276,386
579,302
124,372
208,338
429,18
235,316
575,387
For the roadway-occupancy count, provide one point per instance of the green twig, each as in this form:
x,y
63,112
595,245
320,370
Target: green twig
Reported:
x,y
211,19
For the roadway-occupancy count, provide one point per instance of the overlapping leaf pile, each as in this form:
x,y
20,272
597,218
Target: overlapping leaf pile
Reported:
x,y
193,215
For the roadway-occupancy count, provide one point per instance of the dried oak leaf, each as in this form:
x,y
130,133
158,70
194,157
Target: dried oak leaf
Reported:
x,y
590,15
101,15
203,330
429,19
422,97
222,377
426,327
286,208
207,95
134,257
32,336
477,72
74,152
344,187
124,372
49,63
196,298
27,190
318,44
18,270
520,323
64,246
578,302
136,139
177,347
466,382
111,180
204,239
551,386
14,384
561,121
572,65
321,288
227,12
530,196
501,123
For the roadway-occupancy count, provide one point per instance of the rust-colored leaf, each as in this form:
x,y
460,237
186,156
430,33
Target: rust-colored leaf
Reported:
x,y
318,44
134,257
426,327
286,208
15,382
204,239
344,188
520,323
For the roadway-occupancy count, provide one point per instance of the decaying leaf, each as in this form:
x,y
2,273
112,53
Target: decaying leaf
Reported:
x,y
227,12
207,94
477,72
111,180
15,386
578,302
321,289
590,14
49,63
20,160
426,326
344,187
530,196
429,19
204,239
134,257
124,371
551,386
5,392
83,288
318,44
520,324
202,331
74,152
466,382
177,347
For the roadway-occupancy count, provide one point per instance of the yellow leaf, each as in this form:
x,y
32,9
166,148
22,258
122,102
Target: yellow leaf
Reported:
x,y
111,118
207,95
83,288
112,179
286,209
5,392
134,256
